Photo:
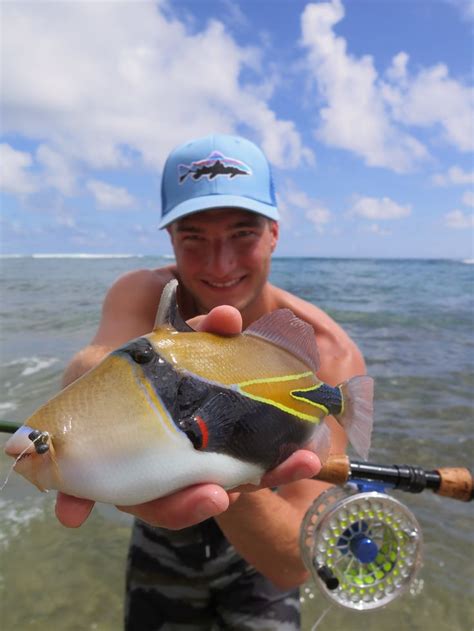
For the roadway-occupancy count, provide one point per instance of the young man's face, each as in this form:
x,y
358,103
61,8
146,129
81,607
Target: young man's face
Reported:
x,y
223,256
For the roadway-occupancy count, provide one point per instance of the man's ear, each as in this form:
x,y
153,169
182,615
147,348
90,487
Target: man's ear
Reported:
x,y
275,232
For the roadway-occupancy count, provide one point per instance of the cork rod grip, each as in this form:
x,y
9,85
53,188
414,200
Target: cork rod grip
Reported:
x,y
336,470
457,483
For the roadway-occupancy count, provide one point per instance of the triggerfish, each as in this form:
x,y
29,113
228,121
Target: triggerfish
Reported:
x,y
179,407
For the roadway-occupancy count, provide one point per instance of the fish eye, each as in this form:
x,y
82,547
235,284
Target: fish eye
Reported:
x,y
141,351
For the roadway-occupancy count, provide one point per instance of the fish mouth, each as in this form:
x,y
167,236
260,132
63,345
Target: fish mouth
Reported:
x,y
20,446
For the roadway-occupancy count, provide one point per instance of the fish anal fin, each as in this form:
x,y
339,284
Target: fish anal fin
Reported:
x,y
285,330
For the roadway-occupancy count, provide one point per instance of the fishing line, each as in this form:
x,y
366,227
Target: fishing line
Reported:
x,y
321,618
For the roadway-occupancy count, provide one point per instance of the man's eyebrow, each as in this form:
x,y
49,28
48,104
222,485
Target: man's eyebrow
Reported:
x,y
247,223
243,223
187,228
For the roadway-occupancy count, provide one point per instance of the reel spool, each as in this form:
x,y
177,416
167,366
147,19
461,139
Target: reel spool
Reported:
x,y
363,549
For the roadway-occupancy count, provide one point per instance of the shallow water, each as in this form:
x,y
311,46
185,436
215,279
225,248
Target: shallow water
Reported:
x,y
414,323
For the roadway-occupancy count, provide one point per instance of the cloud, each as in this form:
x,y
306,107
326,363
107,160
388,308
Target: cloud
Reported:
x,y
468,198
117,83
354,116
431,98
454,176
370,114
57,173
314,211
374,228
379,209
108,196
14,175
458,220
465,8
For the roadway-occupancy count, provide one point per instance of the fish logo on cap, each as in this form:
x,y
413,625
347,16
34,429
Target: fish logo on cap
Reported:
x,y
215,165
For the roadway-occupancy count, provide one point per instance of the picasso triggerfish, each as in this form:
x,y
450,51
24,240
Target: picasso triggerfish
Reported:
x,y
178,407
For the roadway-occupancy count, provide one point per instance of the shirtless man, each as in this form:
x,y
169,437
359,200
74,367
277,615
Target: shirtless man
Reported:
x,y
240,569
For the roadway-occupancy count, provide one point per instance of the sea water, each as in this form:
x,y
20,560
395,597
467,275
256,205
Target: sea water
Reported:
x,y
413,321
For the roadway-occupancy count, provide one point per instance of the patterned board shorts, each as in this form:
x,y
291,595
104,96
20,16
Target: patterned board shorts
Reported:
x,y
194,580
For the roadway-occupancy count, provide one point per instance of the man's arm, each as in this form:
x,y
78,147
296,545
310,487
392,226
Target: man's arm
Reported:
x,y
128,311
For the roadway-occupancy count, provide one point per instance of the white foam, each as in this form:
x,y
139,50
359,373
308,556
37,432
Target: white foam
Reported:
x,y
8,406
36,364
32,364
468,261
85,255
15,518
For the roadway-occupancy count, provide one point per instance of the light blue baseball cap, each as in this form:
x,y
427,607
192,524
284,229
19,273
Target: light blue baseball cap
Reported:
x,y
216,171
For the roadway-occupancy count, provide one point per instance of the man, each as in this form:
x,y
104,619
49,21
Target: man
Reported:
x,y
239,570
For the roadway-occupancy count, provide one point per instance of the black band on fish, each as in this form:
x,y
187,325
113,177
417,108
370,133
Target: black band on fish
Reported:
x,y
323,396
141,351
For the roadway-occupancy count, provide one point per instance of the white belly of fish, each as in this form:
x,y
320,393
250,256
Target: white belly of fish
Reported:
x,y
152,473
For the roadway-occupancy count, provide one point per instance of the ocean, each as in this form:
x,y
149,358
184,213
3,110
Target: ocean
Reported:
x,y
412,319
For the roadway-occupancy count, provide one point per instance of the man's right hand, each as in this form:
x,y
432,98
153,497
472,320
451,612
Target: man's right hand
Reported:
x,y
196,503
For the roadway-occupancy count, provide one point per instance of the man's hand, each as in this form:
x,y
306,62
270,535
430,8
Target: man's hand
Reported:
x,y
197,503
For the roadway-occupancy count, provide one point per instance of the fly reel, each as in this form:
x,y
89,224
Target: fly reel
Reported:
x,y
362,547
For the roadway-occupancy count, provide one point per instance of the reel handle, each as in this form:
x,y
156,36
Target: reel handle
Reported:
x,y
454,482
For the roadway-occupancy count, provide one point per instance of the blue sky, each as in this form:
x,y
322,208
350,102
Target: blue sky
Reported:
x,y
364,108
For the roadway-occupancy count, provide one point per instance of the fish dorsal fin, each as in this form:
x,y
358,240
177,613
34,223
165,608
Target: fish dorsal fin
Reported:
x,y
285,330
168,313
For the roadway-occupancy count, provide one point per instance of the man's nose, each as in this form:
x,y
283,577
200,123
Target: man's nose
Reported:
x,y
220,259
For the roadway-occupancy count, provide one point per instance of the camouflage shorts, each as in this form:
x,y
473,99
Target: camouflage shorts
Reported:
x,y
193,579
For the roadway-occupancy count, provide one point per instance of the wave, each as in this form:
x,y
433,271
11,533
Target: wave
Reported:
x,y
32,364
8,406
468,261
85,255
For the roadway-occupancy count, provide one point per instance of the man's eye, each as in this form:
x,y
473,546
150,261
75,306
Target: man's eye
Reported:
x,y
192,237
242,234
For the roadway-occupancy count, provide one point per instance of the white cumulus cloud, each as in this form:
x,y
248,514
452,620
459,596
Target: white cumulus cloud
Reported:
x,y
108,196
373,115
454,176
14,175
458,220
354,115
379,209
314,211
117,82
468,198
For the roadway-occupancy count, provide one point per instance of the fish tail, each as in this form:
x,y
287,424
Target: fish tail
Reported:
x,y
357,413
183,172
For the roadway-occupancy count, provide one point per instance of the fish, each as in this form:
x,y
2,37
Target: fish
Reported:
x,y
178,407
214,165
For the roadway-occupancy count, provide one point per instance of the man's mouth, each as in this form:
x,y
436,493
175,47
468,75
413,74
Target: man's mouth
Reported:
x,y
224,285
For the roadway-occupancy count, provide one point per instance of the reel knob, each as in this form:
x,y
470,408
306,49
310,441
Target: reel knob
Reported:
x,y
363,549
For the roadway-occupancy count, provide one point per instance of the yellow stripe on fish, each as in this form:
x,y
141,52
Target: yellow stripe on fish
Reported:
x,y
312,390
278,392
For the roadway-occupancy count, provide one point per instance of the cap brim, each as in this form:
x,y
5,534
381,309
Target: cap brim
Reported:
x,y
208,202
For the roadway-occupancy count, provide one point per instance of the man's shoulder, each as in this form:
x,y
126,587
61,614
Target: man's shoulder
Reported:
x,y
146,283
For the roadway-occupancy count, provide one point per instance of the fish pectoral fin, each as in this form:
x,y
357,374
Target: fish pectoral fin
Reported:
x,y
211,426
285,330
